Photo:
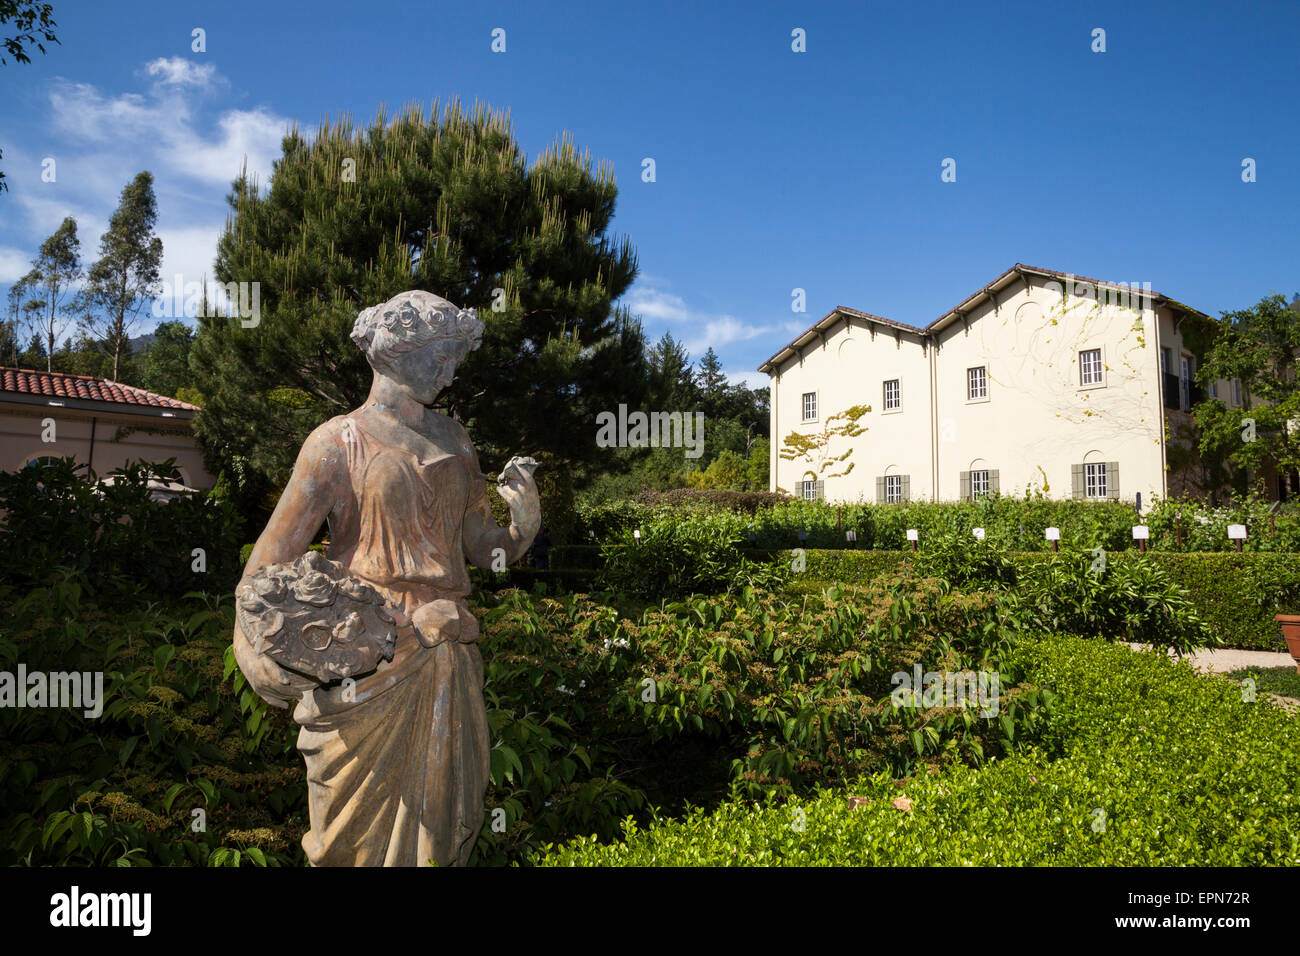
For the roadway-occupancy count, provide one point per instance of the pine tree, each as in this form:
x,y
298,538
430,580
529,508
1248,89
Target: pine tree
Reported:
x,y
713,383
446,203
672,381
126,274
166,360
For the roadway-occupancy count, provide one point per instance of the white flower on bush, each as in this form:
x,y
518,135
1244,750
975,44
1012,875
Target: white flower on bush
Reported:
x,y
617,642
564,690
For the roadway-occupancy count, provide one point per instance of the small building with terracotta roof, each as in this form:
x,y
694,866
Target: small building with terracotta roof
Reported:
x,y
98,422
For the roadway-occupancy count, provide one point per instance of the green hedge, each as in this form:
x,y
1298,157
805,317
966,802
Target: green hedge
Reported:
x,y
1138,762
1236,594
1011,523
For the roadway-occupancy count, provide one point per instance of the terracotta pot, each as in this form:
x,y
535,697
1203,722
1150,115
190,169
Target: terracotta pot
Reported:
x,y
1291,631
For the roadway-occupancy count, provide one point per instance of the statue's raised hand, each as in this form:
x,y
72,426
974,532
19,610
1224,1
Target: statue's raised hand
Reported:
x,y
516,486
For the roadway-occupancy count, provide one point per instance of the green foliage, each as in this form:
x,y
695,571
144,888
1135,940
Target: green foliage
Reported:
x,y
115,534
176,735
1202,527
1138,762
674,558
966,562
1089,595
1270,680
752,692
444,201
126,274
1257,346
1015,524
166,360
1234,596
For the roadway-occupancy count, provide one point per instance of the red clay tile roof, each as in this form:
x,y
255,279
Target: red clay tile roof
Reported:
x,y
85,387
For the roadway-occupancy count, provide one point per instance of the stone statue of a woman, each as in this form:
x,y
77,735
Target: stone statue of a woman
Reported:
x,y
397,754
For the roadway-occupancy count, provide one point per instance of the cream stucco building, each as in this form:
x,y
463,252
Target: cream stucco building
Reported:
x,y
1040,380
98,422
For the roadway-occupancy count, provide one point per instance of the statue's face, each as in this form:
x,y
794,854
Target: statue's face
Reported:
x,y
426,372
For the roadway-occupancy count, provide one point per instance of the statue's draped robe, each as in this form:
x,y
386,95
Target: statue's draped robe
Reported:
x,y
398,763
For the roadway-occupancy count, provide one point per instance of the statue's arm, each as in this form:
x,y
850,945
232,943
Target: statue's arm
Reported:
x,y
313,488
484,539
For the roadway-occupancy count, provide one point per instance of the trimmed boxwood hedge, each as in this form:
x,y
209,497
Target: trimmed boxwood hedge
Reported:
x,y
1236,594
1139,762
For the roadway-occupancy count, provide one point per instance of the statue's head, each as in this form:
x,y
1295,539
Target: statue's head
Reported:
x,y
417,339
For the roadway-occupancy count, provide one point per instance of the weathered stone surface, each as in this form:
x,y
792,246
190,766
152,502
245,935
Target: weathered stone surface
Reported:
x,y
313,618
397,755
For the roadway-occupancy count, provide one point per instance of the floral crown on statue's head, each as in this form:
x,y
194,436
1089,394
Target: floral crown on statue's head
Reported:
x,y
412,320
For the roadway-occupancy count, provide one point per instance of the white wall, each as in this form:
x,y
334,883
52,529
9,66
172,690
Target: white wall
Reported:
x,y
849,367
1038,420
21,431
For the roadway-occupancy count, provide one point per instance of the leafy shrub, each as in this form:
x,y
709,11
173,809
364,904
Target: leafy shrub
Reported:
x,y
966,562
1015,524
674,558
1234,595
1139,762
174,737
596,716
745,502
115,534
1118,600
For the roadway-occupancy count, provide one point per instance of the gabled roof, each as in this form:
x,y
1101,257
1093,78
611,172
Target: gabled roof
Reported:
x,y
825,323
86,388
1019,270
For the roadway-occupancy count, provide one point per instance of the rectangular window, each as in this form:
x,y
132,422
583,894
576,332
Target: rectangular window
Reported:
x,y
977,385
1236,392
809,406
1094,476
893,395
1090,367
893,488
979,483
1214,389
1185,383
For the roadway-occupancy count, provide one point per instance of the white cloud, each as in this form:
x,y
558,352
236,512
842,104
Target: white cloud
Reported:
x,y
190,252
724,331
14,263
657,305
163,131
101,139
698,331
178,71
251,134
749,379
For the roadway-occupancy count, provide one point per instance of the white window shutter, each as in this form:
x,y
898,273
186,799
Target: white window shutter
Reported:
x,y
965,486
1112,479
1076,481
994,486
907,487
880,490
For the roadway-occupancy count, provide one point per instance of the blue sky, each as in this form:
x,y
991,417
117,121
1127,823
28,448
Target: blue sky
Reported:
x,y
775,170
